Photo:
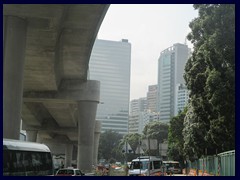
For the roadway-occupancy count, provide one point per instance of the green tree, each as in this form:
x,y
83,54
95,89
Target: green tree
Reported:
x,y
194,134
133,140
210,77
175,137
109,145
156,130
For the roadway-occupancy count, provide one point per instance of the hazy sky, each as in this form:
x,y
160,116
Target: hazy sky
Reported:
x,y
150,28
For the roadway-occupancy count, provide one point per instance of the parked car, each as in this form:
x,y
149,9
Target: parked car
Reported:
x,y
172,167
69,172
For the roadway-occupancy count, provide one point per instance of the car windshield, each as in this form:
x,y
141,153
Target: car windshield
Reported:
x,y
62,171
139,165
175,165
78,172
71,172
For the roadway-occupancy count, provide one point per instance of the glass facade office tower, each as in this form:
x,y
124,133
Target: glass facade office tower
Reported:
x,y
171,64
110,63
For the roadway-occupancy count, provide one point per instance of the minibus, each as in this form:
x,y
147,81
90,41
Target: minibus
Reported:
x,y
22,158
146,166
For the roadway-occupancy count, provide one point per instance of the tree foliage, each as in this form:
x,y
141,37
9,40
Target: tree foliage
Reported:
x,y
156,130
175,137
109,146
133,140
210,77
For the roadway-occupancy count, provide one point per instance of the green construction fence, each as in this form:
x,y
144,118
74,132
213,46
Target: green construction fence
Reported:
x,y
222,164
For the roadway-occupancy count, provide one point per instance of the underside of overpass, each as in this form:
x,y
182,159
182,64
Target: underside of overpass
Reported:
x,y
46,55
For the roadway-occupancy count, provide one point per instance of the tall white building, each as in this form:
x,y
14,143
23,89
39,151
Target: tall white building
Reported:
x,y
133,124
140,115
182,96
110,64
171,64
152,98
146,117
138,121
138,105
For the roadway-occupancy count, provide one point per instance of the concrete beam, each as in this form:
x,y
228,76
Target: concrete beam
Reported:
x,y
59,139
70,91
62,130
40,113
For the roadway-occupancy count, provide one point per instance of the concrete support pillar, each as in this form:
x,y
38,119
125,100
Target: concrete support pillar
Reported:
x,y
74,156
68,155
97,133
31,136
39,139
15,30
86,122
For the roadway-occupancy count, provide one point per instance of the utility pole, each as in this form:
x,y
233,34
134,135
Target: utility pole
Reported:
x,y
126,151
148,153
139,143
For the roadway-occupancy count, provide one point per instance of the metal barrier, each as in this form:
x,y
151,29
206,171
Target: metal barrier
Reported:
x,y
227,163
222,164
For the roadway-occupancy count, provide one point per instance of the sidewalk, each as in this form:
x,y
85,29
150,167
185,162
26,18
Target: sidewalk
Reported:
x,y
193,172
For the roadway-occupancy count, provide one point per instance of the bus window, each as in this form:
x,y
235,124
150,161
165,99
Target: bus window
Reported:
x,y
157,164
26,159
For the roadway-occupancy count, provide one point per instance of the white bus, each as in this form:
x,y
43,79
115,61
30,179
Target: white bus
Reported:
x,y
21,158
146,166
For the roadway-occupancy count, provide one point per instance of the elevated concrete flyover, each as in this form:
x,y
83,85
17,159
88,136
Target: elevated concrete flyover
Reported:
x,y
46,53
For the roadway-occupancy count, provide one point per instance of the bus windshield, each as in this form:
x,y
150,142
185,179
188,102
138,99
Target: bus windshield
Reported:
x,y
139,165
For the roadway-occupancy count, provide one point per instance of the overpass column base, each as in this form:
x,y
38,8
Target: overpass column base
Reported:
x,y
68,155
96,141
86,123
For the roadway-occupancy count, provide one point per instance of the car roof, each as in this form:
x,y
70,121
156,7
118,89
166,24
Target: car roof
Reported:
x,y
170,162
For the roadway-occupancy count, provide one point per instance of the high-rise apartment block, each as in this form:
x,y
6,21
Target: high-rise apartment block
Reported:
x,y
140,115
136,107
171,64
110,64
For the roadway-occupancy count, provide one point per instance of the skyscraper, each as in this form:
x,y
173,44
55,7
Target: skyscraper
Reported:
x,y
152,98
171,65
182,96
110,63
140,115
136,107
